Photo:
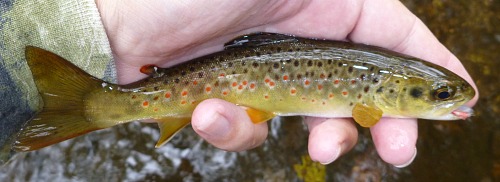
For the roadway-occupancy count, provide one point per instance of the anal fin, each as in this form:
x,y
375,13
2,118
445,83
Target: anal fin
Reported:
x,y
169,127
365,115
258,116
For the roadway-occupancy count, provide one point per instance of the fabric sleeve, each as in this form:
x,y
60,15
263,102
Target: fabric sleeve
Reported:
x,y
70,28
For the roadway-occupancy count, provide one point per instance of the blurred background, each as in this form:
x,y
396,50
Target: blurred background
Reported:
x,y
447,151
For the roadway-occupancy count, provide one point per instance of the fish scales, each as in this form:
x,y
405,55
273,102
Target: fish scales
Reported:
x,y
266,73
297,80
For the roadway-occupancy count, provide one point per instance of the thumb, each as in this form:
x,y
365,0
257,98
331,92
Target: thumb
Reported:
x,y
227,126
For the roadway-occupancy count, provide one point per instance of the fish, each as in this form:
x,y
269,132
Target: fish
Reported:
x,y
267,74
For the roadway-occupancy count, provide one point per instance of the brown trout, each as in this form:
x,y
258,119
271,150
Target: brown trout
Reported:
x,y
268,74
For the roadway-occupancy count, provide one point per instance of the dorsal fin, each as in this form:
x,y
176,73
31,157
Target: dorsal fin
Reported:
x,y
259,39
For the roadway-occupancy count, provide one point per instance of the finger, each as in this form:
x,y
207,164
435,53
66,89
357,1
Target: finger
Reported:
x,y
395,140
227,126
330,138
391,25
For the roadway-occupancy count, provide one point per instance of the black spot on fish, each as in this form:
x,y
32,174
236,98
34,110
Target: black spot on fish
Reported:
x,y
255,64
312,73
366,89
296,63
330,75
177,80
183,73
243,63
156,88
335,71
340,64
297,49
416,92
276,65
320,64
191,69
350,69
391,91
288,61
299,76
362,76
372,68
276,77
278,49
186,82
351,104
257,54
200,74
307,73
216,84
330,61
309,63
230,64
245,70
397,81
375,80
290,50
380,89
234,72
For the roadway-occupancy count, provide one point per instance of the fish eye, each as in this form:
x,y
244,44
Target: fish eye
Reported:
x,y
442,93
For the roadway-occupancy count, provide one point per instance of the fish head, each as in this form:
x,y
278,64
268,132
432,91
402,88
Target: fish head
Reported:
x,y
439,98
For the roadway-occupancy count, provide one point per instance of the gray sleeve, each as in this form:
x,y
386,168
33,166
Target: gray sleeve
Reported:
x,y
69,28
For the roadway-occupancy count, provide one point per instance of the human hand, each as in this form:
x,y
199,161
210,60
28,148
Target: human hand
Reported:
x,y
166,33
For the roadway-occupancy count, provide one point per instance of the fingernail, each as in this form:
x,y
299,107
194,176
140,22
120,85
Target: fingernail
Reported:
x,y
334,157
409,162
216,126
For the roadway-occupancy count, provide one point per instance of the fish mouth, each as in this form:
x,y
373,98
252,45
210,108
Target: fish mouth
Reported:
x,y
463,112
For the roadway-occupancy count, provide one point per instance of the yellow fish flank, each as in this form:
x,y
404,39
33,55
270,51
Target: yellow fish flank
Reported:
x,y
268,74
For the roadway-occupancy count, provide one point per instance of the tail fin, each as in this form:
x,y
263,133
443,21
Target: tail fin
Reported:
x,y
62,86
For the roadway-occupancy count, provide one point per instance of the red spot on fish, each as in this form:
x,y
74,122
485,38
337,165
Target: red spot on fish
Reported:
x,y
240,87
208,89
345,93
266,96
320,87
245,82
307,82
235,84
145,103
272,84
148,69
225,92
293,91
134,96
156,98
193,102
252,86
353,82
222,75
168,95
267,80
183,102
285,77
336,81
155,109
195,82
184,93
330,96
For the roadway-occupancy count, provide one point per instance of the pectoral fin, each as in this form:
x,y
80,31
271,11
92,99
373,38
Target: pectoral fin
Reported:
x,y
258,116
169,127
366,115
